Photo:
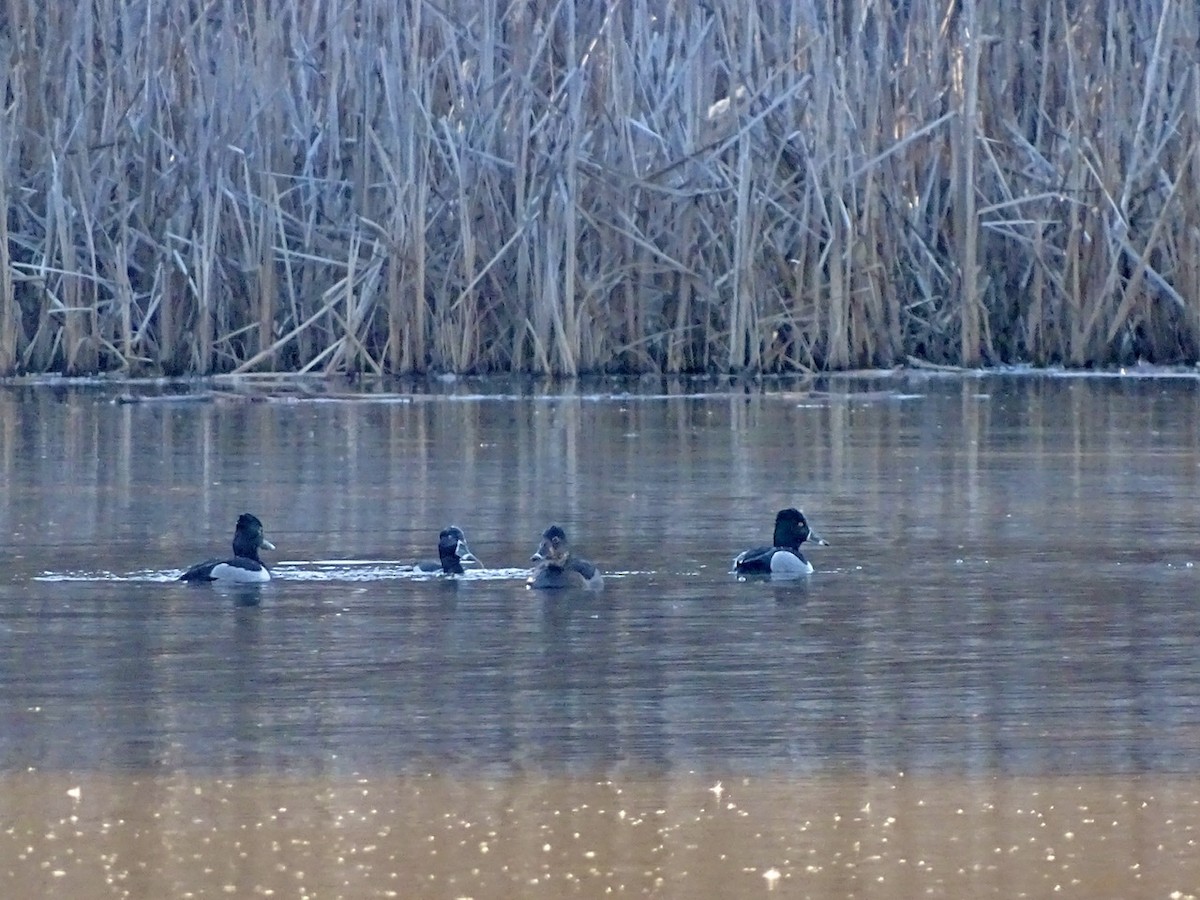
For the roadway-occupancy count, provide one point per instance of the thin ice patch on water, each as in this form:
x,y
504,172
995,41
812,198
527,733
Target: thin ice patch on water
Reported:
x,y
380,570
586,397
382,399
861,398
147,575
1139,370
321,570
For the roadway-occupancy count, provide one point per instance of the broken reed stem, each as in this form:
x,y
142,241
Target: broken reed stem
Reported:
x,y
574,187
967,224
9,313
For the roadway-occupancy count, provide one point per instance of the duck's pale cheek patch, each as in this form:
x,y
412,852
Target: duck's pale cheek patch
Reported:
x,y
226,572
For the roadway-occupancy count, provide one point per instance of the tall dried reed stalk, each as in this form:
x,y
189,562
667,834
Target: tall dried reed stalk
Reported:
x,y
562,186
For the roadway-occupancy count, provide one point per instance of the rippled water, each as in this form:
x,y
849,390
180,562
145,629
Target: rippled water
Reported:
x,y
1008,600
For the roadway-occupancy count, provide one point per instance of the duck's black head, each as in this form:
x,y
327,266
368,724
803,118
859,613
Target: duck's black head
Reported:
x,y
554,548
248,537
791,530
453,550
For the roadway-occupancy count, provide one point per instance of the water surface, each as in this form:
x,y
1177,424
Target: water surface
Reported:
x,y
1007,609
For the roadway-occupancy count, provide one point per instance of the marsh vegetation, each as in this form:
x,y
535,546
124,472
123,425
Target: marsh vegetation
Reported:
x,y
566,187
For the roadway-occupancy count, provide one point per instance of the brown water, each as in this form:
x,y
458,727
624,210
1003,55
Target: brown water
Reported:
x,y
988,688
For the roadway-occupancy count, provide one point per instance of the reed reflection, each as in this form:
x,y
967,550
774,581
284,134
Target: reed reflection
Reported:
x,y
969,615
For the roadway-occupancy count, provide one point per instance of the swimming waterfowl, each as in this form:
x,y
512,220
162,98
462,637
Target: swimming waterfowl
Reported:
x,y
452,553
784,557
245,567
558,568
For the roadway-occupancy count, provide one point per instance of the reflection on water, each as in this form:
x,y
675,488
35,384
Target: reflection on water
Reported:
x,y
545,837
1009,586
1009,594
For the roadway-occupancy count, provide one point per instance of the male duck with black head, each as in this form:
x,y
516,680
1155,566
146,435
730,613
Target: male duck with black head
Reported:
x,y
244,567
784,556
557,567
452,553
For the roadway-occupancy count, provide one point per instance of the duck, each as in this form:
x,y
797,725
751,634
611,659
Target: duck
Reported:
x,y
452,553
558,568
784,556
244,567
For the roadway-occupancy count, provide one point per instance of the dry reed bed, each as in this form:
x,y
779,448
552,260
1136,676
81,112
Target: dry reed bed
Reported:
x,y
372,186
